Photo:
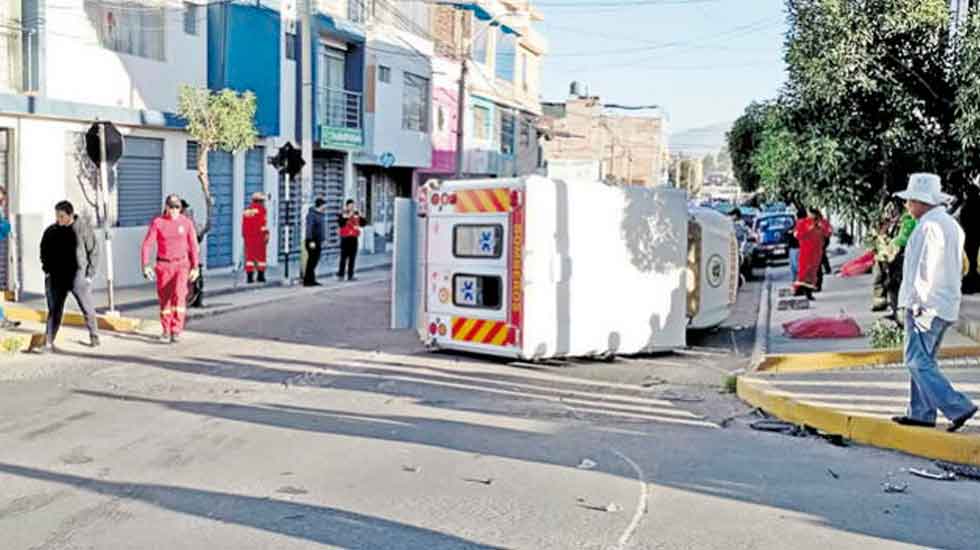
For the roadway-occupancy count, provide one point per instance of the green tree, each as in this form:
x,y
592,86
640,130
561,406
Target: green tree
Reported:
x,y
708,163
218,121
743,140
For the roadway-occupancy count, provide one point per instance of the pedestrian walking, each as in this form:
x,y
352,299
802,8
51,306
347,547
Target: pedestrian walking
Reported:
x,y
175,239
793,245
255,231
4,233
195,288
69,256
827,231
810,234
349,223
316,233
930,295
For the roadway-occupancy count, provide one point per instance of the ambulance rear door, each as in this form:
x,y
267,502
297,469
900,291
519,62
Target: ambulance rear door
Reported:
x,y
468,271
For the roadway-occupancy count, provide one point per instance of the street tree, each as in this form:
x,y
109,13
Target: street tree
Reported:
x,y
743,140
709,163
218,121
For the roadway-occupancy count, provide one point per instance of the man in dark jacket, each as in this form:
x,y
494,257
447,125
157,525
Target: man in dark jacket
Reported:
x,y
69,256
316,233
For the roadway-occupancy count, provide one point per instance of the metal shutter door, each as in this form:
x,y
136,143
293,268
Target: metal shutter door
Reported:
x,y
295,235
140,185
220,173
328,182
254,168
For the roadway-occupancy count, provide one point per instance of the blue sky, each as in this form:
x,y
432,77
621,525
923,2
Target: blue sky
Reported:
x,y
702,60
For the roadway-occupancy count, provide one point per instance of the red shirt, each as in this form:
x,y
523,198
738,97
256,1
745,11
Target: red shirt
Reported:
x,y
254,221
175,238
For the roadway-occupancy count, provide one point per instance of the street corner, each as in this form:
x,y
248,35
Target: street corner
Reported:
x,y
114,323
856,405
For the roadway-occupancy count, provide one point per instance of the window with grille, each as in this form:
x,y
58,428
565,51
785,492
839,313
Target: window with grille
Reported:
x,y
129,27
191,155
415,103
506,133
481,122
384,74
191,13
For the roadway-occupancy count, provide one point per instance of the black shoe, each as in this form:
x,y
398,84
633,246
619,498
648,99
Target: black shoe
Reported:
x,y
7,324
314,283
879,307
93,341
340,277
249,277
261,277
959,422
906,421
352,278
175,338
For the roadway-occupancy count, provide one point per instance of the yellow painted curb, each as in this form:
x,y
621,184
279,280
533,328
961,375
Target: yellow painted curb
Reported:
x,y
813,362
115,324
877,432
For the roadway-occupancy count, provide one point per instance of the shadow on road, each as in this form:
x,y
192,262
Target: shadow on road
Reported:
x,y
319,524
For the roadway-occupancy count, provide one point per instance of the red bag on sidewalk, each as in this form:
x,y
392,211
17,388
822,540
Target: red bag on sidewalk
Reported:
x,y
823,327
858,266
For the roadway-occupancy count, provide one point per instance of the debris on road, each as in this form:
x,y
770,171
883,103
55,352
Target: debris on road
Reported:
x,y
486,481
653,381
290,490
961,470
938,476
612,508
833,474
412,469
586,464
671,396
891,486
779,426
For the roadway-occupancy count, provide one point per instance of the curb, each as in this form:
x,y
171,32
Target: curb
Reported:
x,y
822,361
71,318
970,329
762,322
929,443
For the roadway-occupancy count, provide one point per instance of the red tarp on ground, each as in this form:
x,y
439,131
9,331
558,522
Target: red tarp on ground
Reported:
x,y
823,327
858,266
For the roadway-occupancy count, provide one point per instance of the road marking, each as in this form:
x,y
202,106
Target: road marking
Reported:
x,y
641,507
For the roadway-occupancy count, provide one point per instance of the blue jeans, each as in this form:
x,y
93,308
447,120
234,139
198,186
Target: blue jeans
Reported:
x,y
794,262
931,390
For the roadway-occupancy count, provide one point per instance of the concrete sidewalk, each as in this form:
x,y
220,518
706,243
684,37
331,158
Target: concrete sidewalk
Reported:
x,y
842,386
140,297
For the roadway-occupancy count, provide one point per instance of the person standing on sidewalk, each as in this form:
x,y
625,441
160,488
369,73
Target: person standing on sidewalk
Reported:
x,y
255,231
811,237
4,233
349,222
930,295
69,256
177,260
316,233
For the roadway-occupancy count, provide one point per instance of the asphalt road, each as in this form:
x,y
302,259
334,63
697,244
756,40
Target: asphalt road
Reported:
x,y
306,424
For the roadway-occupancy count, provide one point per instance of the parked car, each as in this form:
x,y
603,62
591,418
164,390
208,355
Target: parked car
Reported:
x,y
770,237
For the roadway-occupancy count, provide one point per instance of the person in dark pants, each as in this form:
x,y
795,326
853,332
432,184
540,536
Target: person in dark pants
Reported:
x,y
195,288
350,222
316,233
69,256
970,222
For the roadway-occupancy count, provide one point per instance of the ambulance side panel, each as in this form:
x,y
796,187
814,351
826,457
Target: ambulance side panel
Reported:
x,y
546,323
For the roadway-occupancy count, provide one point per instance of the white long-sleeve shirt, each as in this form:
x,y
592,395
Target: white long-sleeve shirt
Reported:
x,y
933,268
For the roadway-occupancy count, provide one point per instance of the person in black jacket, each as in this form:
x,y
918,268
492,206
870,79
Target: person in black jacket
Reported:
x,y
69,256
316,233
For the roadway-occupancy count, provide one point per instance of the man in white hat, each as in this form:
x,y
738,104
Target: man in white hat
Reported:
x,y
930,296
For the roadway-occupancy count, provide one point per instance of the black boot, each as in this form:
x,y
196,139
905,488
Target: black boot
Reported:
x,y
261,278
249,277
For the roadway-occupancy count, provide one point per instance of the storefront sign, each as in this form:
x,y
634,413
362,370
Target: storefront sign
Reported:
x,y
341,138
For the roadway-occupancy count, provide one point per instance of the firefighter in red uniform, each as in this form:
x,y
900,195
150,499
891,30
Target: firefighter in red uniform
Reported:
x,y
177,260
255,230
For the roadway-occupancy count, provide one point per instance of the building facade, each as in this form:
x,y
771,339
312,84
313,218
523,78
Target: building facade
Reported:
x,y
630,148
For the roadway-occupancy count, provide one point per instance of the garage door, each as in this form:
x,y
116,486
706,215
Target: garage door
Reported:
x,y
4,246
220,171
140,185
328,182
254,172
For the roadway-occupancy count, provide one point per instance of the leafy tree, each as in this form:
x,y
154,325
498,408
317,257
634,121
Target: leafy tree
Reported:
x,y
709,164
224,121
743,140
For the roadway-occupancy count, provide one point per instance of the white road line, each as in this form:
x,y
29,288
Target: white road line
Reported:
x,y
641,507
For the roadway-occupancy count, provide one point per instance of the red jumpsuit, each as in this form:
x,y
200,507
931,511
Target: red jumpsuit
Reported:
x,y
256,232
177,253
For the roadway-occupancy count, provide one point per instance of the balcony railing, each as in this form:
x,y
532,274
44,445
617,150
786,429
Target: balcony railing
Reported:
x,y
339,117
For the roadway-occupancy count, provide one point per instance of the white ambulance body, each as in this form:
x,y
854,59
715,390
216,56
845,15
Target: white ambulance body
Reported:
x,y
534,268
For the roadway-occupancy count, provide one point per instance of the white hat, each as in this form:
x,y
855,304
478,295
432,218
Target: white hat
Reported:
x,y
258,196
925,188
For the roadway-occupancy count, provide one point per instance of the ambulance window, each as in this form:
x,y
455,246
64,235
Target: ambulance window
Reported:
x,y
477,291
478,241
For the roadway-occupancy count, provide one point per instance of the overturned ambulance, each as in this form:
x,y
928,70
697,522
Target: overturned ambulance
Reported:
x,y
536,268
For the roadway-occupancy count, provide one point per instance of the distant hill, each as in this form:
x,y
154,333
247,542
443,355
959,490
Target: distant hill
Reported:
x,y
707,139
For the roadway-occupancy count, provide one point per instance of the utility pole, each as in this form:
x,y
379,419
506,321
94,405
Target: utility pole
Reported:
x,y
306,96
464,46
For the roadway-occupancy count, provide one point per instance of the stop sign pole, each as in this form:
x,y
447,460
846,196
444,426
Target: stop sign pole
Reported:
x,y
104,200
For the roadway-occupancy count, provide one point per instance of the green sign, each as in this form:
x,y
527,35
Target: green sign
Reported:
x,y
341,138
